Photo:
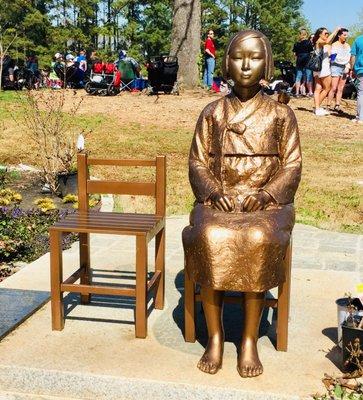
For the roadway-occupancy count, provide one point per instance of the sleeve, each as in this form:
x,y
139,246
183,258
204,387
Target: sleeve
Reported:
x,y
201,178
294,48
283,185
208,45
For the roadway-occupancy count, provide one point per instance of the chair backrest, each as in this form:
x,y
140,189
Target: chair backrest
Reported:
x,y
109,68
155,189
127,70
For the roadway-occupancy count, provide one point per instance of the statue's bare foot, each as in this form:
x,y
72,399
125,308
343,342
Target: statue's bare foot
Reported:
x,y
249,364
211,360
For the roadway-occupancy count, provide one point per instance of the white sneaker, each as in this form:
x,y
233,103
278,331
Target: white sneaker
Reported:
x,y
321,112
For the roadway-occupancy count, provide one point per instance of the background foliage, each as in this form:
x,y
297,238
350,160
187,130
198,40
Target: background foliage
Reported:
x,y
143,27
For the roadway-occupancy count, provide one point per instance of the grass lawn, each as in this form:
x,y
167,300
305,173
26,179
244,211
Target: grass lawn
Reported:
x,y
133,125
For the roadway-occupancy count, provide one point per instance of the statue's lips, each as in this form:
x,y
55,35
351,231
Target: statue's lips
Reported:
x,y
246,76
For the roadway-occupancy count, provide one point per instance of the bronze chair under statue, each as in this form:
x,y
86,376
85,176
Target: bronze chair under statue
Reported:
x,y
244,169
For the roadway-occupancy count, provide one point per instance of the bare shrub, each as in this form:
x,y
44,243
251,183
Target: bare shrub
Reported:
x,y
53,131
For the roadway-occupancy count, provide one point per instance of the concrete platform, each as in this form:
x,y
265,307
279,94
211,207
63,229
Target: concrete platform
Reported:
x,y
96,356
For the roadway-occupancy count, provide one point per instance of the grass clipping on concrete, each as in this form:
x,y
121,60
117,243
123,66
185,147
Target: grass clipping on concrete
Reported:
x,y
135,125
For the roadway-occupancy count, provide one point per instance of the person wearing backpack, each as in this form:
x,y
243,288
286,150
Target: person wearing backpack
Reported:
x,y
302,50
356,62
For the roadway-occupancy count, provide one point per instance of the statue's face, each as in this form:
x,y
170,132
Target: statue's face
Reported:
x,y
246,62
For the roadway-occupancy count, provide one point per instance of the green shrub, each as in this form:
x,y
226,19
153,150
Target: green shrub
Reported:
x,y
24,234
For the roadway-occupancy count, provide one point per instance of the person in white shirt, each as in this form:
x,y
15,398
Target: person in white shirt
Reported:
x,y
322,43
340,67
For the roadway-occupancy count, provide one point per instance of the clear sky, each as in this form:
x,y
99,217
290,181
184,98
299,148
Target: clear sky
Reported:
x,y
332,13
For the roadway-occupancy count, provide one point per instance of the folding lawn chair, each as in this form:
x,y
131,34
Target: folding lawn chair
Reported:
x,y
128,74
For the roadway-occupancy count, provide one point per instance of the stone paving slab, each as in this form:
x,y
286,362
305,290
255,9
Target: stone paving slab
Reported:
x,y
17,305
96,356
98,350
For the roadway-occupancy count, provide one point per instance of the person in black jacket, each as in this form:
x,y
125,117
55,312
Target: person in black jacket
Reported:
x,y
302,50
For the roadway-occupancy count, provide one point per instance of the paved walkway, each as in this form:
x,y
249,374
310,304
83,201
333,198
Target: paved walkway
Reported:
x,y
97,357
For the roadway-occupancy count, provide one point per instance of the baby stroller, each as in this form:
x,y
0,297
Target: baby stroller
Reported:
x,y
104,80
70,75
162,74
350,89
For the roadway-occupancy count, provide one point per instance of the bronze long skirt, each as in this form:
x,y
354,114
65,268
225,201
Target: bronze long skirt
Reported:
x,y
238,251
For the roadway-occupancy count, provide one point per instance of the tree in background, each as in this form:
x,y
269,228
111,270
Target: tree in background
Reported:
x,y
185,41
279,20
156,27
147,27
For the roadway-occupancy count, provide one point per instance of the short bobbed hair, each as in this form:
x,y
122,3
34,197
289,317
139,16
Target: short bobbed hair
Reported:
x,y
249,34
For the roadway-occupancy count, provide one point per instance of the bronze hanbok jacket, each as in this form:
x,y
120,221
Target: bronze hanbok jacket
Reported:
x,y
239,149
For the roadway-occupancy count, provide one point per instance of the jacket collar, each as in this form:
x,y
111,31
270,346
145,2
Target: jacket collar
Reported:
x,y
239,111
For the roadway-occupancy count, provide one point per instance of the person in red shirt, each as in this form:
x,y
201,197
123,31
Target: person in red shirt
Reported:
x,y
209,59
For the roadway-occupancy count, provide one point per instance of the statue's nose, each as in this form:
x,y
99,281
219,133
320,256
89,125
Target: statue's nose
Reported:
x,y
246,63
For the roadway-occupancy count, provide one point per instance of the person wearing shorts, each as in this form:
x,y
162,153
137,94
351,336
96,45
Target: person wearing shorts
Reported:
x,y
340,66
322,42
302,50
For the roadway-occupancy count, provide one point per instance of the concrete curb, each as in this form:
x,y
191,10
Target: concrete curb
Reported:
x,y
90,386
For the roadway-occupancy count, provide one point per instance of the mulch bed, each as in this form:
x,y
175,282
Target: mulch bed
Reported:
x,y
29,185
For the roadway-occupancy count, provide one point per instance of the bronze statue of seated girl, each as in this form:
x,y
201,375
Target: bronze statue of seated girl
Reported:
x,y
244,169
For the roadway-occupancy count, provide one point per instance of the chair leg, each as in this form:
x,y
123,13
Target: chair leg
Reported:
x,y
56,278
84,257
283,305
141,287
189,308
160,267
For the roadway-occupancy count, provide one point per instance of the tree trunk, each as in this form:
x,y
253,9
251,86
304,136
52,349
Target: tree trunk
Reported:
x,y
186,40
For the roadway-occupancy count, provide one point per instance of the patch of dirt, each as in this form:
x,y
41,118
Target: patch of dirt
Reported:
x,y
164,111
171,111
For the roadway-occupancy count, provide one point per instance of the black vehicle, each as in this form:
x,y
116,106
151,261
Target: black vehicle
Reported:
x,y
162,74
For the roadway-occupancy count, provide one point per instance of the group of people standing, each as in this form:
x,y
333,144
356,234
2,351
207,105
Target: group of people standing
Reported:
x,y
338,61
